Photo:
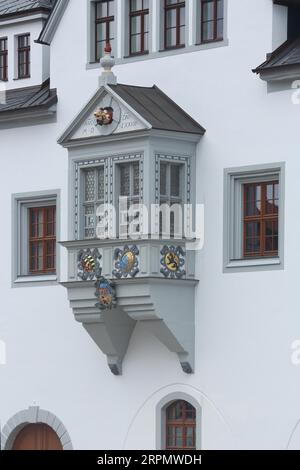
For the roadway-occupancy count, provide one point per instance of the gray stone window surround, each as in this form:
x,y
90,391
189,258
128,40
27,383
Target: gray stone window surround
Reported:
x,y
111,169
161,407
33,415
234,179
156,33
20,205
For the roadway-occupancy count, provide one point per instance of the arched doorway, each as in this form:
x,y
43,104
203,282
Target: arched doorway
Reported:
x,y
37,436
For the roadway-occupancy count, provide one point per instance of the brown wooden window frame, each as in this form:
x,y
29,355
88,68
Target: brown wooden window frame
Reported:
x,y
214,21
182,424
46,239
143,13
4,56
107,20
177,7
26,51
263,217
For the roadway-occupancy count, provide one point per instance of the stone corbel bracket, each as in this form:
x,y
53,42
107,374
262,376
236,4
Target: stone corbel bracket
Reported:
x,y
166,306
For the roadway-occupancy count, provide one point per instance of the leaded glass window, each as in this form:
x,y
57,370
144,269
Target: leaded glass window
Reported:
x,y
94,195
170,189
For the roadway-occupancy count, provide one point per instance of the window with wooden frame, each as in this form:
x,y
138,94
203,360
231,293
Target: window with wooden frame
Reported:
x,y
212,20
42,240
93,197
180,426
3,60
138,27
24,56
174,29
260,220
104,26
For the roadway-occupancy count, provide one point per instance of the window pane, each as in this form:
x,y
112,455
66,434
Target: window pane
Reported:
x,y
136,179
163,178
125,180
171,37
101,10
220,9
220,29
90,185
111,8
135,25
171,18
208,11
190,442
175,180
208,31
136,5
89,222
101,184
171,436
178,436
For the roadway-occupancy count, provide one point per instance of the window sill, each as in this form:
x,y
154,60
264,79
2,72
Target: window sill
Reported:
x,y
211,41
254,264
163,53
21,78
40,280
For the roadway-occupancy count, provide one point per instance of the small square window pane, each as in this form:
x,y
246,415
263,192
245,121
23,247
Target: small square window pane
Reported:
x,y
171,18
208,31
136,25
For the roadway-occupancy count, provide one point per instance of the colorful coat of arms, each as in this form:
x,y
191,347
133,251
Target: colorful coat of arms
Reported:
x,y
105,293
126,262
172,262
104,116
88,263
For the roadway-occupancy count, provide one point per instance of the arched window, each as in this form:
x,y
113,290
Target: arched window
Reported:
x,y
180,426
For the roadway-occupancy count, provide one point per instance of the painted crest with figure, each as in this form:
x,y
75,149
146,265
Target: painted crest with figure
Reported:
x,y
104,116
126,262
172,262
105,293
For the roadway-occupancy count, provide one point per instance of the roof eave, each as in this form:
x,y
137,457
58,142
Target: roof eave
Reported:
x,y
51,25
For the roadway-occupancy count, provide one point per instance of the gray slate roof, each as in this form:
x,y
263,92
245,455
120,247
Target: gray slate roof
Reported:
x,y
11,7
29,98
158,109
286,55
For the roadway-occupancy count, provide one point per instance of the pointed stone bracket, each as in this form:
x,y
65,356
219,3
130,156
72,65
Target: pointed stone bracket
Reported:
x,y
111,329
166,306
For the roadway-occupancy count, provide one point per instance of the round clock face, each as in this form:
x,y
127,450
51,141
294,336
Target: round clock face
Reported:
x,y
112,116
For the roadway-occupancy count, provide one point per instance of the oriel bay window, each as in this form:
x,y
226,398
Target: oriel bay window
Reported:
x,y
24,56
180,426
139,27
212,20
3,60
42,240
261,209
104,26
174,35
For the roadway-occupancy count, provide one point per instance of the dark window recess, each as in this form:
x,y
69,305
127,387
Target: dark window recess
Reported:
x,y
139,27
42,240
3,60
174,24
293,23
24,56
104,26
180,426
261,210
212,20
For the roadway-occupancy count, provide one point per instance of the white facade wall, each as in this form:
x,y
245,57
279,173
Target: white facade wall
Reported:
x,y
245,322
39,55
